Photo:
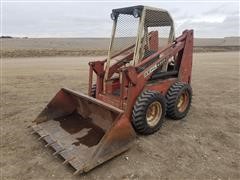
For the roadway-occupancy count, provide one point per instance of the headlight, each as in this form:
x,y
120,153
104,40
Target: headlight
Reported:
x,y
113,16
136,13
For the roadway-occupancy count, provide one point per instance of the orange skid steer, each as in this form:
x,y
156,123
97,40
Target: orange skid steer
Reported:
x,y
145,77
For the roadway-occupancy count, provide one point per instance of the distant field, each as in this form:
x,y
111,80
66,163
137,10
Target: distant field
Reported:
x,y
31,47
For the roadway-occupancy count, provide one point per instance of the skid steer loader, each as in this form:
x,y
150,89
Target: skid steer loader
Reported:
x,y
145,77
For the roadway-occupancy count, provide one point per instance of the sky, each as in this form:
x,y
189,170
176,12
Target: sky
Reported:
x,y
92,19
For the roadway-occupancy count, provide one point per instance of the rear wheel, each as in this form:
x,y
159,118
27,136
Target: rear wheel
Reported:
x,y
179,98
148,112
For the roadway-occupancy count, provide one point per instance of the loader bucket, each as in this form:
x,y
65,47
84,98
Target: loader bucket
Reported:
x,y
84,131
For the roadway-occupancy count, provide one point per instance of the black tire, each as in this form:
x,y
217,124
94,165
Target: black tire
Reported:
x,y
93,91
139,115
175,92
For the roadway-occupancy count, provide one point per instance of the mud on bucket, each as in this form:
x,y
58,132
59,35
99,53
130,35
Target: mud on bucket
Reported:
x,y
84,131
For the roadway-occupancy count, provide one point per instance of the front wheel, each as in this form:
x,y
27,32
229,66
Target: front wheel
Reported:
x,y
148,112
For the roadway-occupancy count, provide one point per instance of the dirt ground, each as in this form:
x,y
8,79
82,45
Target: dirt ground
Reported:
x,y
204,145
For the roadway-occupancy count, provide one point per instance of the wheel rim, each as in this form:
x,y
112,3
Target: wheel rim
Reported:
x,y
183,101
154,113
